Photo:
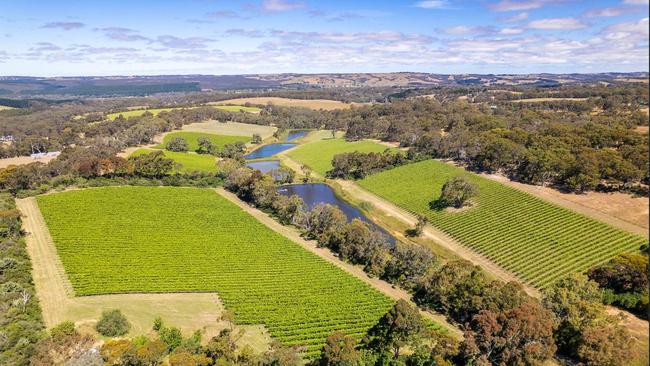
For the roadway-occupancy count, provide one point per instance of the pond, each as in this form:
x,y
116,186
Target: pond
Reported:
x,y
264,166
268,150
316,193
294,134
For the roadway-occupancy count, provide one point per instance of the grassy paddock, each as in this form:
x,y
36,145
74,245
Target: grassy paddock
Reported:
x,y
537,240
318,155
168,239
189,162
192,139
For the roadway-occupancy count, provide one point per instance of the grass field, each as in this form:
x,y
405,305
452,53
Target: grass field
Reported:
x,y
189,162
5,108
192,139
168,239
156,111
318,155
231,128
539,241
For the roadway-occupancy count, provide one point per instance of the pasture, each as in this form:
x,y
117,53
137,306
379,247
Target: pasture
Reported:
x,y
168,239
537,240
192,138
189,162
231,128
318,155
5,108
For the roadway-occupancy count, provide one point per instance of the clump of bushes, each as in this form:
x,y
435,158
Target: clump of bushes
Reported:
x,y
113,324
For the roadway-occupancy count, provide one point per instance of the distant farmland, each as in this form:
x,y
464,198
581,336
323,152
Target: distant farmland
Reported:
x,y
167,239
156,111
539,241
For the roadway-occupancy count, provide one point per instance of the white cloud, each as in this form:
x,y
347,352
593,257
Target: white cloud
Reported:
x,y
432,4
281,5
517,17
636,2
557,24
64,25
604,12
513,5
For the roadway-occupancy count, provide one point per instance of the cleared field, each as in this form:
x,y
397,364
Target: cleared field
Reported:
x,y
192,139
325,104
156,111
537,240
231,128
167,239
5,108
189,162
318,155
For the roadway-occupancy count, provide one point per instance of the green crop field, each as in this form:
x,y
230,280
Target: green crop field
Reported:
x,y
193,137
190,162
156,111
537,240
318,155
170,239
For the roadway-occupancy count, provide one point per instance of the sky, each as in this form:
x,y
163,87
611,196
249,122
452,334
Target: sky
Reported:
x,y
142,37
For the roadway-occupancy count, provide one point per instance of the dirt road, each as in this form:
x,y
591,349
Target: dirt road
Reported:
x,y
293,234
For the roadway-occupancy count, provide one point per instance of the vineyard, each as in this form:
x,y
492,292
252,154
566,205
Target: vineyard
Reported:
x,y
167,239
188,162
537,240
318,155
192,138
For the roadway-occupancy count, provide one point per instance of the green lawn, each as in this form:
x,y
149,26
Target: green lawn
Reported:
x,y
318,155
170,239
190,162
539,241
156,111
192,139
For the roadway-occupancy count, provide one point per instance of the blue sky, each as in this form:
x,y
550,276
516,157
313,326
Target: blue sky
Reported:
x,y
70,38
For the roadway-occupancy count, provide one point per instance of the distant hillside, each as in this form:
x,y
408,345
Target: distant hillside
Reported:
x,y
147,85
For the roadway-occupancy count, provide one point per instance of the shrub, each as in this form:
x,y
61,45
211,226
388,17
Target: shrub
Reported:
x,y
178,144
113,323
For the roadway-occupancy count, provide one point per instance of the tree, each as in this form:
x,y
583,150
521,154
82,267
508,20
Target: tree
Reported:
x,y
112,324
256,139
583,327
280,355
177,144
456,192
340,350
233,151
402,326
64,344
205,146
521,336
419,226
151,165
605,343
324,223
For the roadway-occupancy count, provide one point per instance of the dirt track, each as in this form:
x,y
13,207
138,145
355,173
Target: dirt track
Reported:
x,y
293,234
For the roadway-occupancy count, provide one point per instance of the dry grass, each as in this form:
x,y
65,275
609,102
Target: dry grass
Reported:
x,y
642,129
23,160
306,103
5,108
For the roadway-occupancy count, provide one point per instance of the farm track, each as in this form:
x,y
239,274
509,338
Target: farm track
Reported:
x,y
294,235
